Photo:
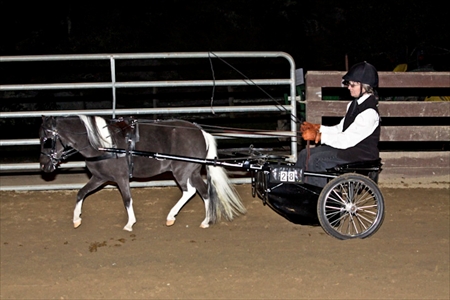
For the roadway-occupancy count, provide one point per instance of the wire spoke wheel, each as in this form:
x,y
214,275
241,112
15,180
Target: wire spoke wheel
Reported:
x,y
350,206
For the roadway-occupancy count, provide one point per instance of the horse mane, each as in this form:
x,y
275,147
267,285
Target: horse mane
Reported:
x,y
97,131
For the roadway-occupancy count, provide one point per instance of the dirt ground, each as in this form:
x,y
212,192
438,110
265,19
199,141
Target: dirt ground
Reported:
x,y
257,256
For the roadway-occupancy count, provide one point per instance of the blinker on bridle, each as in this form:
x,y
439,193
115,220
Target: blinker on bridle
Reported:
x,y
50,143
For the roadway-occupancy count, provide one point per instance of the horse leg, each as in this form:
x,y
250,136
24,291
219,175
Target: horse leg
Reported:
x,y
202,189
131,216
124,187
187,194
92,185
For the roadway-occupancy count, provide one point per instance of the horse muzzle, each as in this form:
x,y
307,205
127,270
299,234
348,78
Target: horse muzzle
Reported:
x,y
48,168
48,163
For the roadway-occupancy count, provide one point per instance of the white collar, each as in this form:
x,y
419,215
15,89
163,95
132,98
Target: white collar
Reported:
x,y
363,98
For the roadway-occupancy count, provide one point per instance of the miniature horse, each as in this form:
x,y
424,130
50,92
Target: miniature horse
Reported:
x,y
62,136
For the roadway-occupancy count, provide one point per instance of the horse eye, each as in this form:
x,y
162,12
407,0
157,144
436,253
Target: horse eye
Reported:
x,y
48,143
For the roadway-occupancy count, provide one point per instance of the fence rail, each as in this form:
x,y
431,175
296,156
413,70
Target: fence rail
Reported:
x,y
114,84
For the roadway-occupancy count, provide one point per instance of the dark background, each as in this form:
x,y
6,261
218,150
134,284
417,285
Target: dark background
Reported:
x,y
318,34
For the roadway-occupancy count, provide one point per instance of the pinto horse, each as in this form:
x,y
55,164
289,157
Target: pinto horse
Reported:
x,y
60,137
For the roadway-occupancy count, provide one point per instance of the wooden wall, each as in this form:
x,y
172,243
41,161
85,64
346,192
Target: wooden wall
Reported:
x,y
405,163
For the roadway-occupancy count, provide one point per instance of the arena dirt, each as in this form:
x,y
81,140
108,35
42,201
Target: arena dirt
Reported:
x,y
256,256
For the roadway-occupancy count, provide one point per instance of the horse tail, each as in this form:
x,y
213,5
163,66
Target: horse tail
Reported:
x,y
224,199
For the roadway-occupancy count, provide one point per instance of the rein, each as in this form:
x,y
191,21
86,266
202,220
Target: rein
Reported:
x,y
131,129
210,128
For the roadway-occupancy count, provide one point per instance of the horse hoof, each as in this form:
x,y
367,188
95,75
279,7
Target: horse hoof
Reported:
x,y
204,225
170,222
128,228
76,224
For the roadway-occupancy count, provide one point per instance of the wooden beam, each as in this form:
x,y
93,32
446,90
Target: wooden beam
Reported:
x,y
386,79
416,164
315,110
414,133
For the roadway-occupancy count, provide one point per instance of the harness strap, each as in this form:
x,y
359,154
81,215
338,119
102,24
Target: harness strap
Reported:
x,y
104,156
132,137
131,129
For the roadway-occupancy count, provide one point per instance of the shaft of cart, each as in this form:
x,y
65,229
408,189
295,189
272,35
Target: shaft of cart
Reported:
x,y
244,164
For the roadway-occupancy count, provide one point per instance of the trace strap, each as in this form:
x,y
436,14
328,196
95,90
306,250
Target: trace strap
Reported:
x,y
246,164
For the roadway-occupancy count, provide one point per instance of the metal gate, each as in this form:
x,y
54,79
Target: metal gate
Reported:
x,y
113,85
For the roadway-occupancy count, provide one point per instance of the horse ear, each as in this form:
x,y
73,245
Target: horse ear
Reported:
x,y
51,119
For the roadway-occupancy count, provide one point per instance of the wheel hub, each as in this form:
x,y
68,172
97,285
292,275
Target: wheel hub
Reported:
x,y
351,208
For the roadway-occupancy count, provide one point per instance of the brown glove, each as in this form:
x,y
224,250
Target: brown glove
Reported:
x,y
309,126
309,135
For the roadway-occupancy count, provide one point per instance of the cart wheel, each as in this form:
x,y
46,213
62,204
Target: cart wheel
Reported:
x,y
350,206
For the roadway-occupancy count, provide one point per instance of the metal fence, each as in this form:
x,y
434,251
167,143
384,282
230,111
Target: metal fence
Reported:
x,y
114,84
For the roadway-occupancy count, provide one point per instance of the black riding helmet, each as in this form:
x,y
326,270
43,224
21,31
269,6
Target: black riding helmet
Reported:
x,y
362,72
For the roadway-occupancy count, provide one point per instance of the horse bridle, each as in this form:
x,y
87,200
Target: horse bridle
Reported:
x,y
50,143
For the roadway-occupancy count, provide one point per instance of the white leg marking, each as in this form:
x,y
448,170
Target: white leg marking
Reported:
x,y
131,217
205,223
77,214
170,220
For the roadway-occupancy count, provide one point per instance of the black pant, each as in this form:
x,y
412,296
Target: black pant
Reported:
x,y
321,158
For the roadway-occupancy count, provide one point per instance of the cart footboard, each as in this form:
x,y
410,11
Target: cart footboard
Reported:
x,y
295,202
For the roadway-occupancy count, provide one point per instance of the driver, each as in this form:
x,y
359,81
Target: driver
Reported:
x,y
356,136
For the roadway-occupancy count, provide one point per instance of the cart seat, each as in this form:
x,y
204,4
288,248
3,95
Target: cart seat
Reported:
x,y
370,168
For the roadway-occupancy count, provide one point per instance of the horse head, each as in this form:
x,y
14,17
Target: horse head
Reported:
x,y
51,145
55,147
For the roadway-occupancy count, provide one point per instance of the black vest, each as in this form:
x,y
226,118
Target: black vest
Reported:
x,y
367,149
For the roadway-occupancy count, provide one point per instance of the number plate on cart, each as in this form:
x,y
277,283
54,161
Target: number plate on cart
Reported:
x,y
285,174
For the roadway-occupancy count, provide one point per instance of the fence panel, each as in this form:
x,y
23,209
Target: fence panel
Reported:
x,y
114,84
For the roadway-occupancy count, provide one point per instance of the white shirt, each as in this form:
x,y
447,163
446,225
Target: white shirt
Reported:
x,y
364,125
